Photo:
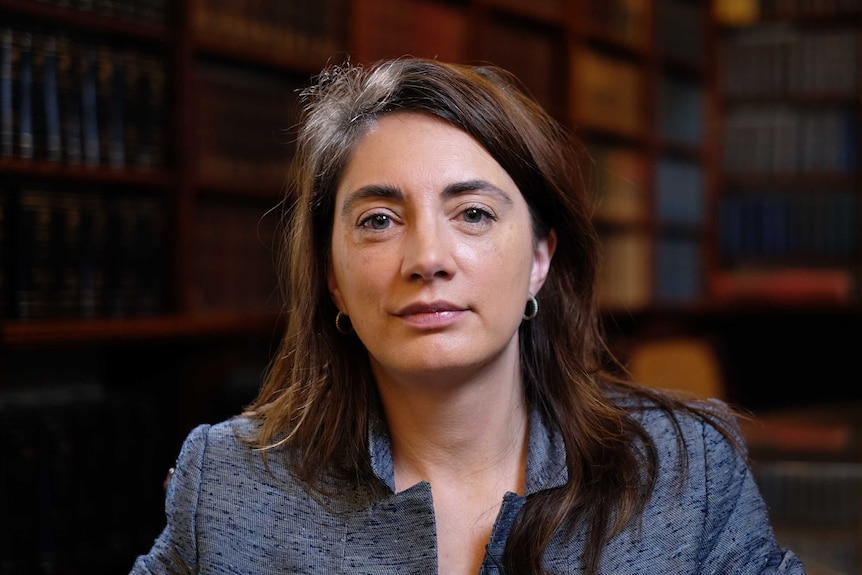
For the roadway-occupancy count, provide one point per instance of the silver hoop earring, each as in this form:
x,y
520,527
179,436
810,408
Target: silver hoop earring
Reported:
x,y
343,324
532,308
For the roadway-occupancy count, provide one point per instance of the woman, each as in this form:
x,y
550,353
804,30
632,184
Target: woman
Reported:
x,y
440,402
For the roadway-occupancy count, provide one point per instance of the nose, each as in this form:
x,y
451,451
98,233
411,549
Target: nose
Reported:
x,y
427,252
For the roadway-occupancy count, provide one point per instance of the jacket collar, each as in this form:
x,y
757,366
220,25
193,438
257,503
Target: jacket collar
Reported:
x,y
546,454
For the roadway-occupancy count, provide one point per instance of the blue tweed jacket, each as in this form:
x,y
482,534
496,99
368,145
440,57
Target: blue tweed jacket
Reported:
x,y
227,514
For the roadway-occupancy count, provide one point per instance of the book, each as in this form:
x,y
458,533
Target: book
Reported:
x,y
65,255
606,93
682,111
625,270
532,55
24,109
5,254
620,188
678,270
152,121
134,108
116,110
90,117
105,71
93,246
70,98
785,285
680,193
7,90
51,100
31,243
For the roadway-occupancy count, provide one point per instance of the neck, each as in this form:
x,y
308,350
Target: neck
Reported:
x,y
473,432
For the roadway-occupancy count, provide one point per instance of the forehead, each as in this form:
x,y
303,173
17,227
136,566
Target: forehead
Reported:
x,y
413,146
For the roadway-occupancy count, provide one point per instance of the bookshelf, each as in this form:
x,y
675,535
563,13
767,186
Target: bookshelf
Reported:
x,y
173,150
789,111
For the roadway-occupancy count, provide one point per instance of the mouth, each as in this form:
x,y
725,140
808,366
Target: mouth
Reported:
x,y
440,307
433,315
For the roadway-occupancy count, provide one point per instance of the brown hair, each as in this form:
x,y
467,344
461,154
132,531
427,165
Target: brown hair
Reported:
x,y
319,389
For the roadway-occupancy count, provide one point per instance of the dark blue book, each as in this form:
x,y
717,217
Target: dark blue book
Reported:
x,y
37,96
89,106
25,95
116,111
7,128
51,100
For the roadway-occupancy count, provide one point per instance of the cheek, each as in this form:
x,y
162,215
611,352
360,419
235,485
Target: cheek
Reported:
x,y
360,276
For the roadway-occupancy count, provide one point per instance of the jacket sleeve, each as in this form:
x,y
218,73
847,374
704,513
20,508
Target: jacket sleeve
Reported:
x,y
739,535
174,552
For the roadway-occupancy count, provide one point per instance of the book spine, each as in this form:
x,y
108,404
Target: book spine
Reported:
x,y
92,245
134,107
32,245
7,128
66,256
25,95
104,104
5,254
152,128
53,137
69,91
89,107
117,111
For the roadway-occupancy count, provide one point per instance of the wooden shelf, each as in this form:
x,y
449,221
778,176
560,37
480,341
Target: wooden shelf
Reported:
x,y
39,170
112,26
162,328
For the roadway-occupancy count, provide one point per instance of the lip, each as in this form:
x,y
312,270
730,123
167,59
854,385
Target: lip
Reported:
x,y
427,315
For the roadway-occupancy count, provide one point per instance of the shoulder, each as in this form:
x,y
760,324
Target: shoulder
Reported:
x,y
710,429
222,440
222,449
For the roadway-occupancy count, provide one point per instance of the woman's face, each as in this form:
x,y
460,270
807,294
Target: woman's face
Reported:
x,y
433,256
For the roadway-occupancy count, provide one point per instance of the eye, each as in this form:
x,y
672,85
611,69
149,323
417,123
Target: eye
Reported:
x,y
475,215
376,222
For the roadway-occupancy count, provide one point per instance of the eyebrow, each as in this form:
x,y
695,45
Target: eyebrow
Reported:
x,y
392,192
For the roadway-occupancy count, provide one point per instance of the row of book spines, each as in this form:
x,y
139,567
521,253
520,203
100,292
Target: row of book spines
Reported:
x,y
815,493
151,12
627,277
56,514
622,19
64,99
301,26
637,270
243,129
607,93
785,62
761,140
83,255
621,191
812,226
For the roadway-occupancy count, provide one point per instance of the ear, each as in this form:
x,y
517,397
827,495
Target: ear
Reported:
x,y
542,254
334,292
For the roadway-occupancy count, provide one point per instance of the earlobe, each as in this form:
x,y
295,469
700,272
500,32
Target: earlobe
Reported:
x,y
543,252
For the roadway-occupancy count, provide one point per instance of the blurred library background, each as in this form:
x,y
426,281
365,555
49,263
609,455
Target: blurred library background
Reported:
x,y
143,149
